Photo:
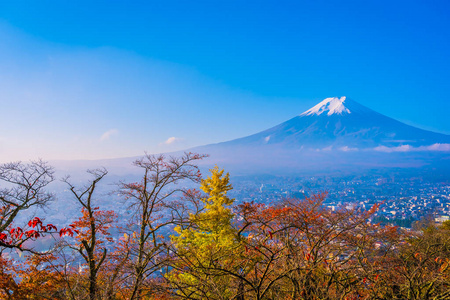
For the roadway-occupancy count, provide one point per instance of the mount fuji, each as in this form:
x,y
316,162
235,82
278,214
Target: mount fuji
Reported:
x,y
337,133
342,122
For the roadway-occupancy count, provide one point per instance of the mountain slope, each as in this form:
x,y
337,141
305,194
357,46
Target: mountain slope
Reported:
x,y
336,132
341,122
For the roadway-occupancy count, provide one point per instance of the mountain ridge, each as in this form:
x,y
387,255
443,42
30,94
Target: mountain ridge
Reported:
x,y
336,134
340,122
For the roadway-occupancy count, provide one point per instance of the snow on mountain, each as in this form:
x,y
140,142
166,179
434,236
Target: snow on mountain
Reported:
x,y
337,106
330,105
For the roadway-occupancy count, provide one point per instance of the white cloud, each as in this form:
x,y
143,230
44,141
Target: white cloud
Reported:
x,y
438,147
409,148
172,140
347,148
105,136
403,148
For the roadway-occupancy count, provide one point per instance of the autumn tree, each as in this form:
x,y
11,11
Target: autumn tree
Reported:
x,y
151,201
204,249
92,229
297,249
24,188
33,278
418,266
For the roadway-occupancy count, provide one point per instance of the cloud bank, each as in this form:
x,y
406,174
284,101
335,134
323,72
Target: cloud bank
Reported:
x,y
403,148
409,148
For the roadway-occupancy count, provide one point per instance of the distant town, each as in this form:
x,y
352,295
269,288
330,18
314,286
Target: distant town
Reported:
x,y
405,199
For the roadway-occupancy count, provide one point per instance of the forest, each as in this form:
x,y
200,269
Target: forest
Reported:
x,y
198,243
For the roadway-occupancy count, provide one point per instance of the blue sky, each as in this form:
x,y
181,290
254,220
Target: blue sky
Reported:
x,y
103,79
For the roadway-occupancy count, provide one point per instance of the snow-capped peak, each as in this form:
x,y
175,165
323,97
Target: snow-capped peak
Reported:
x,y
332,106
